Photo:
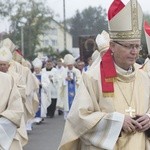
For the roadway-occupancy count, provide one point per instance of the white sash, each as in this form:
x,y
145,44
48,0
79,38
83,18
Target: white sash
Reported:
x,y
7,133
106,132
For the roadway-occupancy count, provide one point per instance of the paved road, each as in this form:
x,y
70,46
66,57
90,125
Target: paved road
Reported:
x,y
47,135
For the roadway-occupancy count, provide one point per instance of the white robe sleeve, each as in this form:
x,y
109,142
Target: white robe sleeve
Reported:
x,y
106,132
7,133
45,81
78,76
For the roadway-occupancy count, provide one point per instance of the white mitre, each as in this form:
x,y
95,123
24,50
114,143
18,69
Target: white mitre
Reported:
x,y
69,59
147,35
125,21
9,44
102,41
5,54
37,63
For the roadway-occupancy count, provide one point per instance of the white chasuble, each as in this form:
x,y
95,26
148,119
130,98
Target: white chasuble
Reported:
x,y
11,111
95,122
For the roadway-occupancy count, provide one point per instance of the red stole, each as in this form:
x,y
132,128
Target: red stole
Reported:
x,y
108,73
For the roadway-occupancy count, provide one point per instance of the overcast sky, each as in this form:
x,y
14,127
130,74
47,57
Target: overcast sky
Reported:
x,y
73,5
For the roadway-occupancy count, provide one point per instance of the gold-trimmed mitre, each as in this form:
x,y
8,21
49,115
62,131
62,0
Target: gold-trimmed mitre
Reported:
x,y
9,44
125,21
5,54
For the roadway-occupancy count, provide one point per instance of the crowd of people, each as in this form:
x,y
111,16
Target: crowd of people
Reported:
x,y
105,103
33,91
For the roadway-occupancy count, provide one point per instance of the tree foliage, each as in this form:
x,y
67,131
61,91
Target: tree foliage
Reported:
x,y
32,16
90,21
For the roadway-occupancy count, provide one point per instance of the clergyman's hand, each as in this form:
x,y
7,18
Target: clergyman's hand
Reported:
x,y
144,121
130,124
68,78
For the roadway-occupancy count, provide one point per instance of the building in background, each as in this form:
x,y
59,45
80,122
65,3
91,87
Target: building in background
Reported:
x,y
54,37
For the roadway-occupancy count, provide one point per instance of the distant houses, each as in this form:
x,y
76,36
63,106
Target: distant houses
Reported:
x,y
54,37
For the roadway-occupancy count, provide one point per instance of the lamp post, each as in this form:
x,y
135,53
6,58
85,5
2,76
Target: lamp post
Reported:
x,y
64,12
22,40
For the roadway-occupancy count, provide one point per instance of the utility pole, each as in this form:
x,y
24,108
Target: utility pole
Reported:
x,y
64,12
22,40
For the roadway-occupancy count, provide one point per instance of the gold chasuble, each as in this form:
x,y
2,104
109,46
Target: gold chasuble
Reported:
x,y
95,122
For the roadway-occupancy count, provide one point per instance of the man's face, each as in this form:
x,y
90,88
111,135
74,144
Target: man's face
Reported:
x,y
4,66
37,70
70,67
80,65
125,53
59,64
49,64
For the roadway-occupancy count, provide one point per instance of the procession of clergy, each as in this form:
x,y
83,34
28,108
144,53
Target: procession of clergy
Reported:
x,y
33,91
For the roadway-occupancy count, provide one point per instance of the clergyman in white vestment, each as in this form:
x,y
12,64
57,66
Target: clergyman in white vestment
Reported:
x,y
111,108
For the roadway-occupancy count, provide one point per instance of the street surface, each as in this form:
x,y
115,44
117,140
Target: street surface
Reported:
x,y
46,136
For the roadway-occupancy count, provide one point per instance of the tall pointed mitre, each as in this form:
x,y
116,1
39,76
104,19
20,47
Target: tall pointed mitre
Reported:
x,y
125,21
69,59
5,54
37,63
102,41
147,35
9,44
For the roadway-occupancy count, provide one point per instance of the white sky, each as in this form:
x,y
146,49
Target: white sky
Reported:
x,y
73,5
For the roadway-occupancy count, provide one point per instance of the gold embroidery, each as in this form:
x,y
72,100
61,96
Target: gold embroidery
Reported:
x,y
109,80
3,53
108,94
132,34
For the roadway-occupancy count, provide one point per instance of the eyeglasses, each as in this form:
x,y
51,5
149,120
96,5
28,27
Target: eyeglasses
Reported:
x,y
131,46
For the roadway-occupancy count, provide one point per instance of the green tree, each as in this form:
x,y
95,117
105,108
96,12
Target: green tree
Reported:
x,y
34,17
90,21
63,53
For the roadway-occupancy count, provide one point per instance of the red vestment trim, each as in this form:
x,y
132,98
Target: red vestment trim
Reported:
x,y
108,72
115,8
147,28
